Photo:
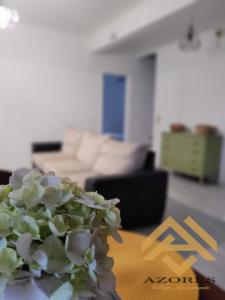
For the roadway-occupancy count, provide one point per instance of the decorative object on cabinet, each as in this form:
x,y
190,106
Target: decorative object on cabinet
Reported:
x,y
192,154
177,127
206,129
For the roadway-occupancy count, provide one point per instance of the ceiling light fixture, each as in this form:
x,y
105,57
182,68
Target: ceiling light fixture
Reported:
x,y
8,17
191,42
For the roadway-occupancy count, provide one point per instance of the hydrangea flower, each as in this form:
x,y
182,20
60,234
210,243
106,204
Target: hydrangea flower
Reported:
x,y
52,231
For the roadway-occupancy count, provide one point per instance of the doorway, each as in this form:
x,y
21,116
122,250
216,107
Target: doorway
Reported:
x,y
114,93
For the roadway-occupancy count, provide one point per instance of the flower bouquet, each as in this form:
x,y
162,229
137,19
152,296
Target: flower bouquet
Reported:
x,y
53,239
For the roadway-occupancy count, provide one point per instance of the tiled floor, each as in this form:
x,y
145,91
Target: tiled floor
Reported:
x,y
208,198
206,204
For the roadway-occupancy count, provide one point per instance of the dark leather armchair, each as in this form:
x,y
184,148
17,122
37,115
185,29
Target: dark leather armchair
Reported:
x,y
4,176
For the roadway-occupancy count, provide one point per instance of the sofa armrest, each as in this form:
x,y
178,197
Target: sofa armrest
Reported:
x,y
150,161
142,195
46,146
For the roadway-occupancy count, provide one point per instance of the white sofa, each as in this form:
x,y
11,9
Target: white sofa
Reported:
x,y
86,154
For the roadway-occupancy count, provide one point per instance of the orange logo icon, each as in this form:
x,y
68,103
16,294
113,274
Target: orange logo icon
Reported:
x,y
155,248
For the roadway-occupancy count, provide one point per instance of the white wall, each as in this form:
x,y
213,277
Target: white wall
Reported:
x,y
190,88
139,92
141,121
49,81
45,86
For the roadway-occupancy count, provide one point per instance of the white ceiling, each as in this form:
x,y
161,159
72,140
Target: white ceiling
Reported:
x,y
80,16
206,15
88,16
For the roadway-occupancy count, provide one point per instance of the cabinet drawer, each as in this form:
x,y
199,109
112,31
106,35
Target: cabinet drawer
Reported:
x,y
185,156
191,154
194,170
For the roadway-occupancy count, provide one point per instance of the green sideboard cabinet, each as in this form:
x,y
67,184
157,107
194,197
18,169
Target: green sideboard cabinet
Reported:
x,y
191,154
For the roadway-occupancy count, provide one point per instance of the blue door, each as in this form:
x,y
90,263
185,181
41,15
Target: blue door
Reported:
x,y
114,87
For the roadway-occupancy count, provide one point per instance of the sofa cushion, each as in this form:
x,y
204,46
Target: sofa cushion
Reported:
x,y
120,158
64,166
79,177
71,141
40,158
90,147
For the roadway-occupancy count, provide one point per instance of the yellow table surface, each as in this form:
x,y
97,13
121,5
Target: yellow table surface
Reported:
x,y
132,270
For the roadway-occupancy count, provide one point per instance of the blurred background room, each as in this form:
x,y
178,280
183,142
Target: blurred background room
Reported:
x,y
126,97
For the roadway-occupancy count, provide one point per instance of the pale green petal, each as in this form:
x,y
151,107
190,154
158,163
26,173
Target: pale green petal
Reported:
x,y
111,203
116,236
41,258
77,243
16,180
57,226
54,197
16,198
35,270
112,216
50,180
98,199
4,191
41,214
3,283
92,266
92,276
107,282
32,195
65,292
90,219
76,221
23,245
29,195
8,261
3,243
4,224
57,259
88,201
28,225
48,284
32,176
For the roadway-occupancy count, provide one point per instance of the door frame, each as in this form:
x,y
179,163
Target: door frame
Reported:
x,y
127,100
